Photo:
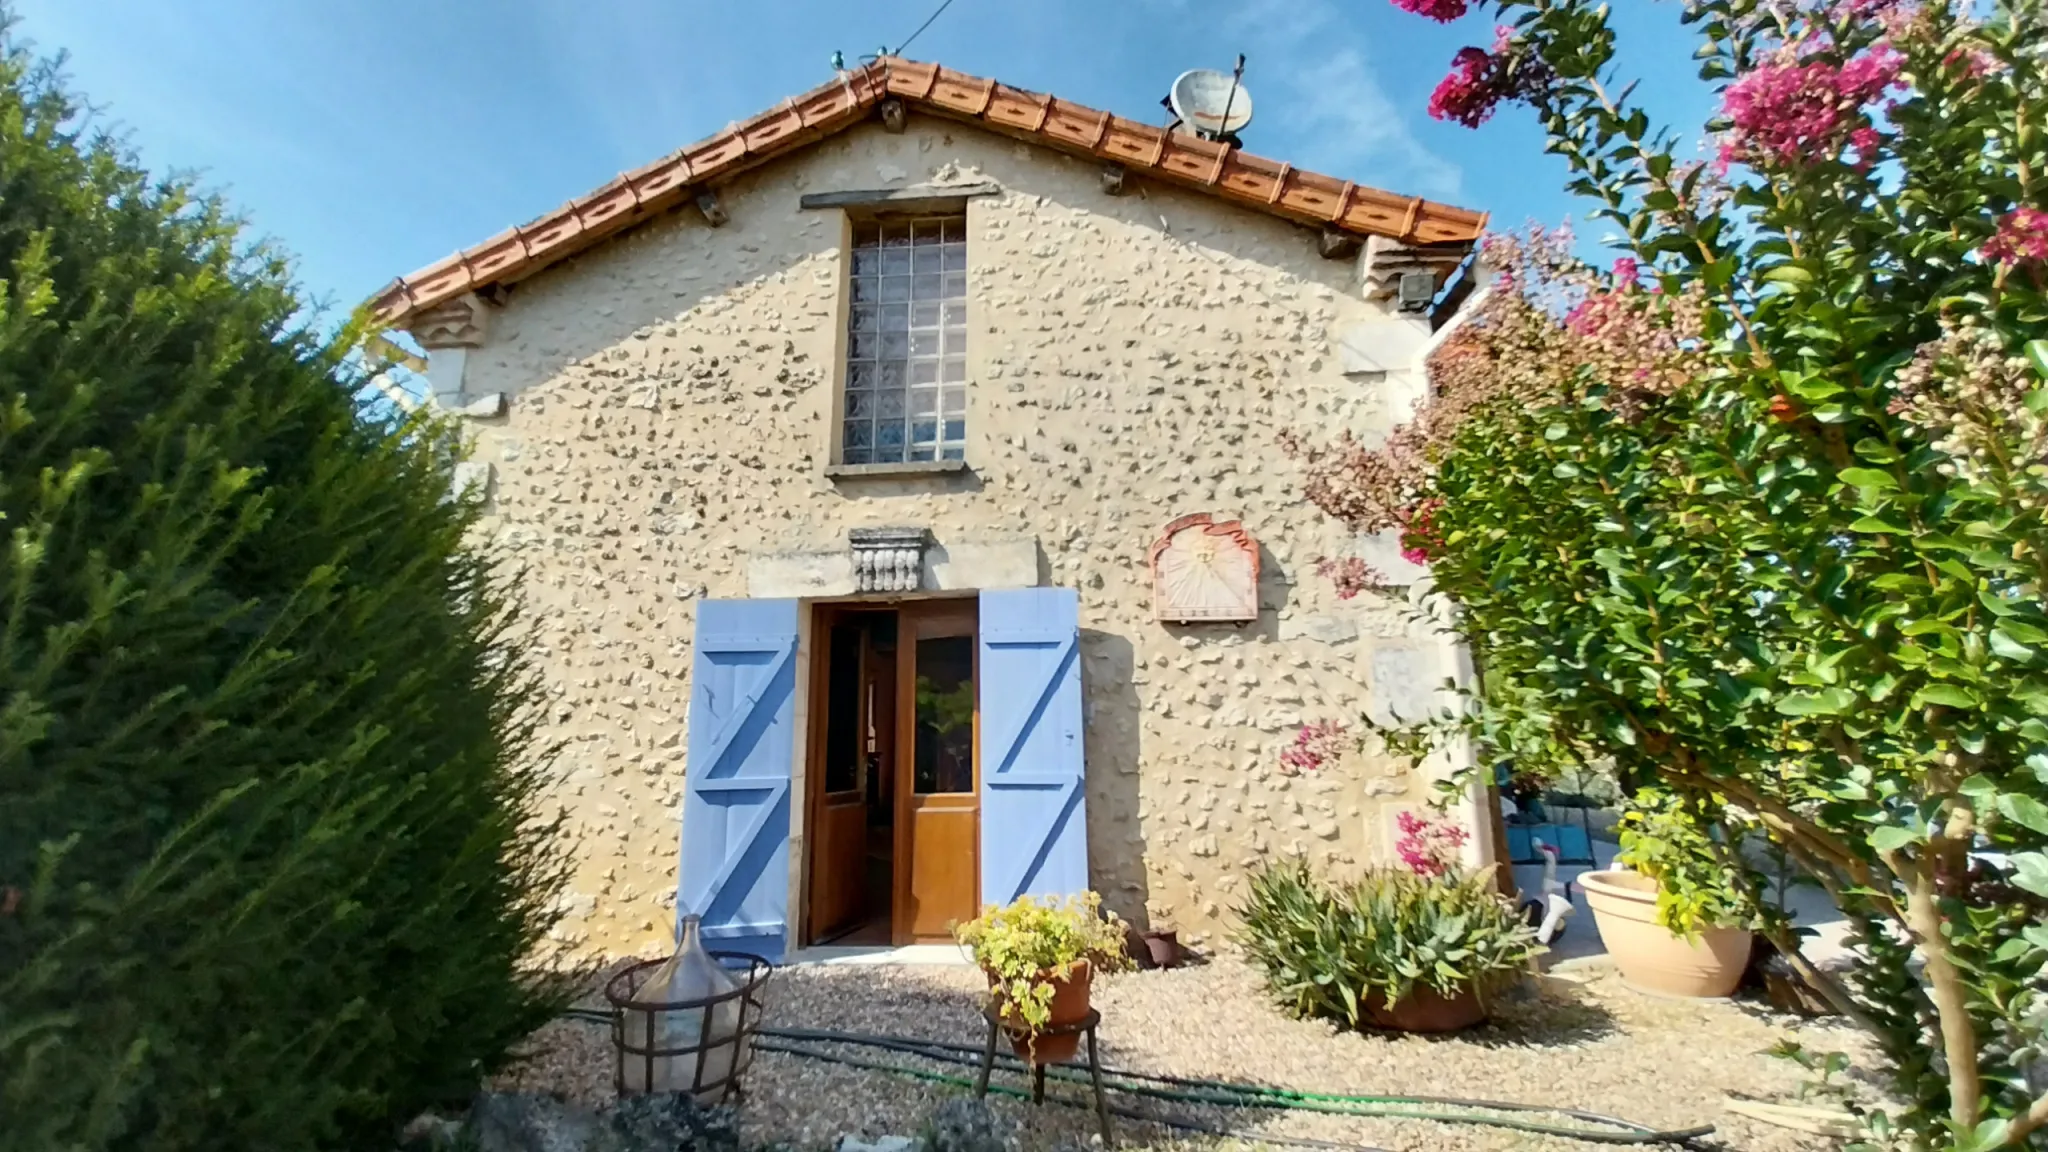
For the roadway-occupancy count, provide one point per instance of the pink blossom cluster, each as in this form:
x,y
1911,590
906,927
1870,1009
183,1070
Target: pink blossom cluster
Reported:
x,y
1476,85
1793,111
1441,11
2022,238
1429,845
1350,576
1420,539
1314,746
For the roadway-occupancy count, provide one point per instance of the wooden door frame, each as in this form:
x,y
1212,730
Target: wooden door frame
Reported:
x,y
911,616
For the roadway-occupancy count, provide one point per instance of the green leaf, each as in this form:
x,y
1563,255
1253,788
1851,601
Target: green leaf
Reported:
x,y
2037,352
1978,788
1875,524
1788,274
1891,838
1953,695
2023,809
1868,478
1826,702
2030,871
2003,644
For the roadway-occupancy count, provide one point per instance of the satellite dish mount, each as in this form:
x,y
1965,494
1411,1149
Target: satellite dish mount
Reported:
x,y
1211,104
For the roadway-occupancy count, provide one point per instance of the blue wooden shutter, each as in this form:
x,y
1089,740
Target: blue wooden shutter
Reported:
x,y
735,858
1034,828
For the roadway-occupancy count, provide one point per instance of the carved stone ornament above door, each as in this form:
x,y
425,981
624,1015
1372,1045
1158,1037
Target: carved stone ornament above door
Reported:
x,y
1205,571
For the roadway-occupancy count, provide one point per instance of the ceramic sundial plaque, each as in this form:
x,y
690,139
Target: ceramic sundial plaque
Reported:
x,y
1205,571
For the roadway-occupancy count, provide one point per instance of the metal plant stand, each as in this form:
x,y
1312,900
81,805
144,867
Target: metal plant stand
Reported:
x,y
1085,1026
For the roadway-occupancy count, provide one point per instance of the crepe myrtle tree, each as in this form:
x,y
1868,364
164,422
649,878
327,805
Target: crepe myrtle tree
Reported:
x,y
1758,513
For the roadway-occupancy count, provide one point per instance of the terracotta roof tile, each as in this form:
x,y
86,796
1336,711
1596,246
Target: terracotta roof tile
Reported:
x,y
1264,185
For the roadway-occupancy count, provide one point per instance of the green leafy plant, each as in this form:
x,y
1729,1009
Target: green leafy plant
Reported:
x,y
1334,950
1029,944
1691,861
1761,513
272,857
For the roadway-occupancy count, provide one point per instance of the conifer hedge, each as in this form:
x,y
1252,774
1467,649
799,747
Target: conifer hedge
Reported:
x,y
267,777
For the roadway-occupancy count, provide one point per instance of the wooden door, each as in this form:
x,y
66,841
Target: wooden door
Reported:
x,y
837,777
938,804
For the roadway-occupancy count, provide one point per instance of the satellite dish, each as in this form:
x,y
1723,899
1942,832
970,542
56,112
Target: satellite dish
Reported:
x,y
1210,102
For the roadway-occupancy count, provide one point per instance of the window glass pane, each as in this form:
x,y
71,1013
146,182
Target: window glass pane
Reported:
x,y
945,714
907,330
859,455
843,753
953,452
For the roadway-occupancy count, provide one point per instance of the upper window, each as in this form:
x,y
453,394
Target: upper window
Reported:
x,y
906,358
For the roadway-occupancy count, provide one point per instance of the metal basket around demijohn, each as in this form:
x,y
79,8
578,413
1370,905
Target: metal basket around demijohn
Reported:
x,y
722,1082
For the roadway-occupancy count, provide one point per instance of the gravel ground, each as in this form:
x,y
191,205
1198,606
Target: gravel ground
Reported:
x,y
1582,1040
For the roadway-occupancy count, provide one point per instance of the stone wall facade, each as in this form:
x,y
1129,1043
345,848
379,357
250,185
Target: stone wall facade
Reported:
x,y
668,415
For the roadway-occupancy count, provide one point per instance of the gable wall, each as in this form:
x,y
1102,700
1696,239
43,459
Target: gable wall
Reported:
x,y
1133,358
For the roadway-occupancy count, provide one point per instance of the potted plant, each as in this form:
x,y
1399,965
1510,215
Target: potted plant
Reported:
x,y
1395,949
1670,915
1041,957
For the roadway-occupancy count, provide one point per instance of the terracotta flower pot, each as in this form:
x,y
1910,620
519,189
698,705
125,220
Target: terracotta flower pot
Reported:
x,y
1163,946
1424,1009
1651,957
1069,1006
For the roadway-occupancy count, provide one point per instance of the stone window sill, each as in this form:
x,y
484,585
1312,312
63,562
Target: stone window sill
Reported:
x,y
884,471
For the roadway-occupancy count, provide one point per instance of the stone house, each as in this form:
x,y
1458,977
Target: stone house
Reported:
x,y
897,479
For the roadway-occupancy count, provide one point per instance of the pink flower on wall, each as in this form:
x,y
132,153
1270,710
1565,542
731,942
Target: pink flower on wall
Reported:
x,y
1350,575
1315,746
1420,539
2022,238
1429,845
1441,11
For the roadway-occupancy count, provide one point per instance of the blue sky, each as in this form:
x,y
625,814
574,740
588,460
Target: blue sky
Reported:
x,y
373,137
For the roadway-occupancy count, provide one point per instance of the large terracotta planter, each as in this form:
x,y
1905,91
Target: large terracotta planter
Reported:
x,y
1651,957
1424,1009
1069,1007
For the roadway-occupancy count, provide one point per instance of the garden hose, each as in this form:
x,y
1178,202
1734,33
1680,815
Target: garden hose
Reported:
x,y
1187,1090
